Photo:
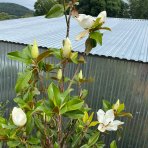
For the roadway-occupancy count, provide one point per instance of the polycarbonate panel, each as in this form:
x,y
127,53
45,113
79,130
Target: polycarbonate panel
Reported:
x,y
113,79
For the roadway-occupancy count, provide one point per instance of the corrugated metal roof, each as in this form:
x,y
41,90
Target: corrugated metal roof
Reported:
x,y
128,39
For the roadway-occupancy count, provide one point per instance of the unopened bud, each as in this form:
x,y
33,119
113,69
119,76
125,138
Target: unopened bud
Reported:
x,y
102,16
35,50
67,47
116,105
59,74
18,117
80,75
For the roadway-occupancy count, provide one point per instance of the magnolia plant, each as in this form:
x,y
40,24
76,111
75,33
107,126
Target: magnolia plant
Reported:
x,y
49,112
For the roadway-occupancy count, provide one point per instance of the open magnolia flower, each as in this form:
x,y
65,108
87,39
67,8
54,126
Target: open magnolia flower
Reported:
x,y
19,117
87,21
107,121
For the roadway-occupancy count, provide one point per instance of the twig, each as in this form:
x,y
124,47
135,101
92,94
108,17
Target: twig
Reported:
x,y
77,69
68,23
65,13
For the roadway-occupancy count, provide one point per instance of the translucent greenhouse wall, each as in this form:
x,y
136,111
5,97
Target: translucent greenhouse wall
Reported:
x,y
113,79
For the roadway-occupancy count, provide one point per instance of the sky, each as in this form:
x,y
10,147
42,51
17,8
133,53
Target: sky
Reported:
x,y
27,3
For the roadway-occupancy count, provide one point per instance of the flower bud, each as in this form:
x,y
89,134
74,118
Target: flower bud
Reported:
x,y
59,74
102,16
19,117
80,75
35,50
116,105
67,47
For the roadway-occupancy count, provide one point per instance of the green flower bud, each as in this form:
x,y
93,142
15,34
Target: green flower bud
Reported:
x,y
59,74
80,75
35,50
116,105
67,47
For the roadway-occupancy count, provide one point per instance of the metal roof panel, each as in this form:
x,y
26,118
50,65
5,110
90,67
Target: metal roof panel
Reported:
x,y
127,40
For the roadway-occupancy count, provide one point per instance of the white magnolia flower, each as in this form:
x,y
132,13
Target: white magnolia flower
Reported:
x,y
87,21
103,16
107,121
67,47
19,117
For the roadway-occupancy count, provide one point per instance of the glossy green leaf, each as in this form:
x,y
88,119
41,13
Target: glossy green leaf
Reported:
x,y
44,109
2,120
57,53
74,57
97,23
113,144
93,123
85,117
54,94
106,105
21,103
44,55
71,105
33,140
85,146
124,114
91,117
24,56
76,140
89,45
121,108
56,145
39,124
13,144
96,36
84,93
94,138
30,123
23,80
56,11
76,114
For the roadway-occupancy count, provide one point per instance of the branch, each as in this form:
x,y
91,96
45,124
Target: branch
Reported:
x,y
59,130
65,13
68,22
77,70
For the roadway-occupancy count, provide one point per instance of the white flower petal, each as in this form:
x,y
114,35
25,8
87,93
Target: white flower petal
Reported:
x,y
113,126
103,16
109,117
85,21
100,115
101,128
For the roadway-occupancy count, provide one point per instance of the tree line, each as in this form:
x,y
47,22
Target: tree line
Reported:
x,y
136,9
13,11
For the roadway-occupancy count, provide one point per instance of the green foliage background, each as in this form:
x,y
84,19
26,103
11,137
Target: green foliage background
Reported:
x,y
115,8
